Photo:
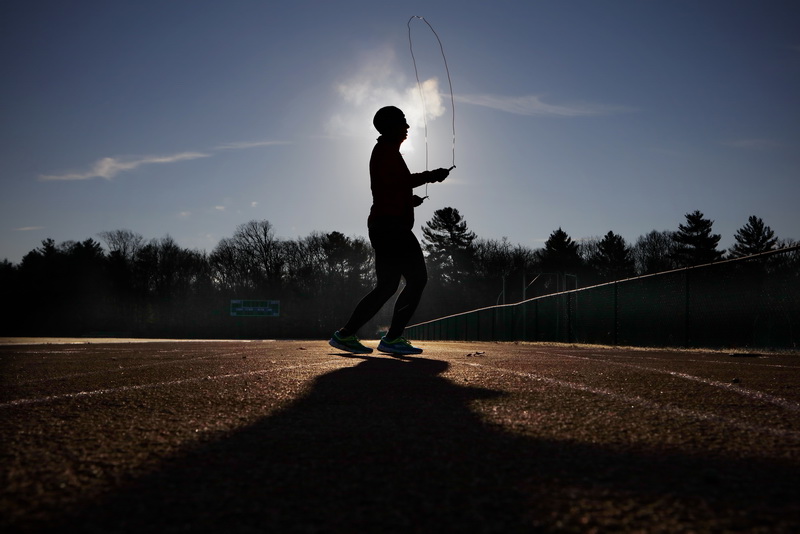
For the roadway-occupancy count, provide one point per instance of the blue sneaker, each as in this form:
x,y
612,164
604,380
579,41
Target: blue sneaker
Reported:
x,y
348,344
398,346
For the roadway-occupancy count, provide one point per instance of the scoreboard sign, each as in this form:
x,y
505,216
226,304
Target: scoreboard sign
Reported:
x,y
255,308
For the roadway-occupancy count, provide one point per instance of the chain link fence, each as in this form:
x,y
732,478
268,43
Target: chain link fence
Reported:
x,y
750,302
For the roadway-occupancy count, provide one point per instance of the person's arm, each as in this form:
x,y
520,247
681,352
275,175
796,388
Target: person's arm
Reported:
x,y
428,177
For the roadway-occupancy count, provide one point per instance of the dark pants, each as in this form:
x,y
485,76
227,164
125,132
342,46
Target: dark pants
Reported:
x,y
397,254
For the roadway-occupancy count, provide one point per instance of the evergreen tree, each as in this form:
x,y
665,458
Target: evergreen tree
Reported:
x,y
694,242
560,254
448,242
613,258
753,238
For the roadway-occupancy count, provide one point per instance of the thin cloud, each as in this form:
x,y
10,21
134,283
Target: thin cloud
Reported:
x,y
29,228
532,105
108,168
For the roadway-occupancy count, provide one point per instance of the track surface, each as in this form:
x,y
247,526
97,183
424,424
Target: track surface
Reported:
x,y
293,436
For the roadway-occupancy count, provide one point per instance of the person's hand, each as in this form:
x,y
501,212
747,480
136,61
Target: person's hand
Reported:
x,y
439,175
418,200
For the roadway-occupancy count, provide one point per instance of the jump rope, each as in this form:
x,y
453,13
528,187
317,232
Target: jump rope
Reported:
x,y
422,94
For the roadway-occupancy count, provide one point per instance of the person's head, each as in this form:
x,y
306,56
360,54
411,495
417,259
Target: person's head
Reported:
x,y
391,122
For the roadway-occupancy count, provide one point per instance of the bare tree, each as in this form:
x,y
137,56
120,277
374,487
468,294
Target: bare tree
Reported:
x,y
653,252
126,243
261,251
228,266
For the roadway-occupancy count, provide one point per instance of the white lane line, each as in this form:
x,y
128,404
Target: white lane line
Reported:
x,y
642,402
121,389
732,361
718,359
733,388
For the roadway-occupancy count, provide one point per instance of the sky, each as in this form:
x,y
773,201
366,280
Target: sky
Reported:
x,y
188,118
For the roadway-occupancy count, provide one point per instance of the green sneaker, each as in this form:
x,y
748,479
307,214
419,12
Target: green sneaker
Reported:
x,y
348,344
398,346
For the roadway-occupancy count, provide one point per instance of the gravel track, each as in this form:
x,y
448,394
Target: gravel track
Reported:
x,y
294,436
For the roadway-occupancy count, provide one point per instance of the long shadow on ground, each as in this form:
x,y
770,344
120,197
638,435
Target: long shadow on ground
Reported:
x,y
389,445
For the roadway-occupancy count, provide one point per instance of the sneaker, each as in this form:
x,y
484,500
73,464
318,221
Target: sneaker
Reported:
x,y
398,346
348,344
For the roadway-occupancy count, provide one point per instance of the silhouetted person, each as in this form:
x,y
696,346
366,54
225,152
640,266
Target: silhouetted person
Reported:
x,y
397,251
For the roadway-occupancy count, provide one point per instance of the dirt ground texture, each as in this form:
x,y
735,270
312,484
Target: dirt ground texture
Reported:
x,y
295,436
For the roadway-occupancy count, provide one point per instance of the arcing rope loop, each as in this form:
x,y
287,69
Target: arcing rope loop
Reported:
x,y
422,95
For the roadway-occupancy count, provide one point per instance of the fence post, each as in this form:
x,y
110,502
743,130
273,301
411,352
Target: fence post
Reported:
x,y
569,317
616,314
687,322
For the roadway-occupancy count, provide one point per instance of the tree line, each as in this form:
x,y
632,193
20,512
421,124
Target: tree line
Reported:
x,y
124,284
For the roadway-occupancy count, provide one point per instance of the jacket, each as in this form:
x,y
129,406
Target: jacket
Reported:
x,y
392,186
